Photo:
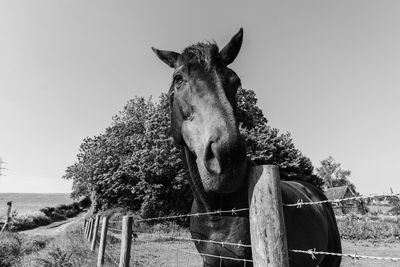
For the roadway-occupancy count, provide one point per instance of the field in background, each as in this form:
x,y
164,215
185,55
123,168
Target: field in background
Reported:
x,y
25,203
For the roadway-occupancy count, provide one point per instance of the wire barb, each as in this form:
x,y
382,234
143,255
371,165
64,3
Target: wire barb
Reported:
x,y
354,256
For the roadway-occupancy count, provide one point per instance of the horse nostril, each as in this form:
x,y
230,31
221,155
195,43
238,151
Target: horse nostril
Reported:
x,y
211,161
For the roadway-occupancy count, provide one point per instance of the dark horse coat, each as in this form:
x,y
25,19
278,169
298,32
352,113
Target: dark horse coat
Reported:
x,y
203,103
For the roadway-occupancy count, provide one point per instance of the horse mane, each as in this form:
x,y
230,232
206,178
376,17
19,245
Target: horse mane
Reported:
x,y
206,54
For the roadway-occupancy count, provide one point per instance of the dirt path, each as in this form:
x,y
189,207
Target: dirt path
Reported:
x,y
53,228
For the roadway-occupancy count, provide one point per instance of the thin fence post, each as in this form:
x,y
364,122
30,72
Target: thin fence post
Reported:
x,y
267,225
87,229
95,230
90,229
126,240
9,204
102,245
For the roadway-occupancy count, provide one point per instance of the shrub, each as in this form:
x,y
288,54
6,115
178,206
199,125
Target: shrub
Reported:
x,y
351,227
57,216
45,217
56,258
85,203
25,222
47,210
395,210
19,223
35,244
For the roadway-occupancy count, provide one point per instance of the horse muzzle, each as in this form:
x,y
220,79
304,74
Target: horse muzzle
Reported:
x,y
225,163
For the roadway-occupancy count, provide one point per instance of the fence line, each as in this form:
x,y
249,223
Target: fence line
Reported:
x,y
312,252
125,235
298,204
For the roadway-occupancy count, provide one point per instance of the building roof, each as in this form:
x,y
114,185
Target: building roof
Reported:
x,y
337,192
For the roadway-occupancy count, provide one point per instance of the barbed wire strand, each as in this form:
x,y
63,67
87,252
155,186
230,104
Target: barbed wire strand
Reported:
x,y
312,252
196,240
300,202
232,211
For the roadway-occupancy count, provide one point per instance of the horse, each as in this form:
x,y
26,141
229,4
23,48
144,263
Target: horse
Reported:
x,y
203,103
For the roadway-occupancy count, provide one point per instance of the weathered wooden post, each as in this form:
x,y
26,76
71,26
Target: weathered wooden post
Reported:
x,y
90,229
87,228
95,230
267,225
102,246
126,240
9,204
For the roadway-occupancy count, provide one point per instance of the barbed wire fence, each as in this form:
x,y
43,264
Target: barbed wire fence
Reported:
x,y
115,234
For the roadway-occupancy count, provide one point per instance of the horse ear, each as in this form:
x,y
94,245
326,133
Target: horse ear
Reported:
x,y
231,50
169,57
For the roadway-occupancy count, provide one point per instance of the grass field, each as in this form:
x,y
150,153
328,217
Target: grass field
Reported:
x,y
26,203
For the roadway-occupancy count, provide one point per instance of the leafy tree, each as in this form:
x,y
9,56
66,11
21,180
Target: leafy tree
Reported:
x,y
265,145
134,163
333,175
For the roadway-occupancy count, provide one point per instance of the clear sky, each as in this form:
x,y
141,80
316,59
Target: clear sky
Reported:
x,y
326,71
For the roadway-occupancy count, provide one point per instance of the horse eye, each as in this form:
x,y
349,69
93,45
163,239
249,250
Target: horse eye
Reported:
x,y
178,79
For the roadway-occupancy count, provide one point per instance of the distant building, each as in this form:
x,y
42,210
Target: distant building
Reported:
x,y
347,206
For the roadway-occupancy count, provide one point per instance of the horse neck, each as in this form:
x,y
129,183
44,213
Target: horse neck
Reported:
x,y
209,201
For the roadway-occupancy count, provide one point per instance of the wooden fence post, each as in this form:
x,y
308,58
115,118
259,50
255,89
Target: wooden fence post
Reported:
x,y
126,240
87,228
102,245
95,230
9,204
90,229
267,225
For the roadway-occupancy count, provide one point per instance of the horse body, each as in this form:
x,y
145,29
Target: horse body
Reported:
x,y
203,102
308,227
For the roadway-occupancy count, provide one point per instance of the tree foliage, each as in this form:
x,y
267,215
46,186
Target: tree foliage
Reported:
x,y
333,175
134,163
266,145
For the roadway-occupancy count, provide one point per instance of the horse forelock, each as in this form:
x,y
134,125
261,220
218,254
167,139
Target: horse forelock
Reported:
x,y
206,54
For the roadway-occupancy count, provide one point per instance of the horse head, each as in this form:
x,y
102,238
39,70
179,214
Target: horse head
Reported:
x,y
203,102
